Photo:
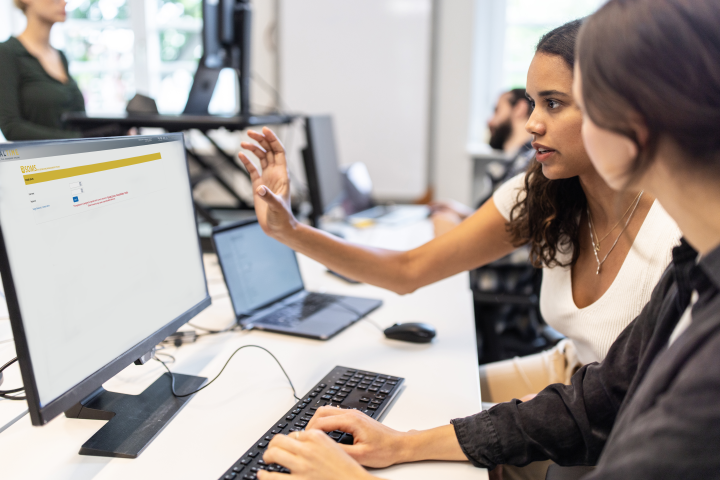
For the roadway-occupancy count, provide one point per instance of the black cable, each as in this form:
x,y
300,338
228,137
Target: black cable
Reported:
x,y
210,331
172,376
4,393
360,314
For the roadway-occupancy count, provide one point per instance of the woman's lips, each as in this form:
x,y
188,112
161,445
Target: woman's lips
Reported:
x,y
543,154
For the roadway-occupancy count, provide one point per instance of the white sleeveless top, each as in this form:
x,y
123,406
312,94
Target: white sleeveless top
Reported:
x,y
594,328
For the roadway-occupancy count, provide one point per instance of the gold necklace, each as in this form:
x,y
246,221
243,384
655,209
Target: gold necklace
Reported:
x,y
597,247
592,238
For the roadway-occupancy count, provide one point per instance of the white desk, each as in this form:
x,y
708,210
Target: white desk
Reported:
x,y
221,422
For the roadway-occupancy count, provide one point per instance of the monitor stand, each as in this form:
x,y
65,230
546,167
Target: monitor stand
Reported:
x,y
134,420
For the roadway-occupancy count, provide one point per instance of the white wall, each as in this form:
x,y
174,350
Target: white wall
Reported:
x,y
366,62
468,73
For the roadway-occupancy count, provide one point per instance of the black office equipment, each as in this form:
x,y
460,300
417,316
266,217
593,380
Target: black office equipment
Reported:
x,y
329,187
226,44
325,181
348,388
94,281
411,332
267,290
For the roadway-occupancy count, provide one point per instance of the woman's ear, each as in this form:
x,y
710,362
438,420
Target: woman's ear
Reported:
x,y
642,133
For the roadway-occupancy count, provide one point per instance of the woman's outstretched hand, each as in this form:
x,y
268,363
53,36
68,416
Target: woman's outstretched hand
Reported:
x,y
311,455
271,188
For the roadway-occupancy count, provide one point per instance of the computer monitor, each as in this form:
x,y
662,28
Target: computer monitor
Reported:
x,y
100,261
324,178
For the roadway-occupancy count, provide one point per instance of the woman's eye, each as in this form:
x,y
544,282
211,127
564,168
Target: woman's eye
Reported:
x,y
553,104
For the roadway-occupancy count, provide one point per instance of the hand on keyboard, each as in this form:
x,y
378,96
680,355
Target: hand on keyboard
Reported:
x,y
311,455
375,445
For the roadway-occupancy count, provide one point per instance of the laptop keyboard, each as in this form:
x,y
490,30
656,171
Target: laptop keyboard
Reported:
x,y
371,393
293,313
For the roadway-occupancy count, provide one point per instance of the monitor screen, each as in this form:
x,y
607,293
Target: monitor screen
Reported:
x,y
258,269
101,251
321,143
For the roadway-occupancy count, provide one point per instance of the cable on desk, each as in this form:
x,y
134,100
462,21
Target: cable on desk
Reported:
x,y
172,376
359,314
4,393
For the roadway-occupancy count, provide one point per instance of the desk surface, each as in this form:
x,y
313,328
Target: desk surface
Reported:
x,y
221,422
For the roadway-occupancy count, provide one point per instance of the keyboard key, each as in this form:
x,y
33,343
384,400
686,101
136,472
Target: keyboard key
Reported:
x,y
335,435
372,406
313,394
350,384
386,391
296,411
301,424
346,390
362,386
373,389
365,399
230,476
238,469
252,454
281,425
290,417
274,431
264,444
261,462
306,419
326,397
377,401
347,439
340,394
338,399
322,385
245,461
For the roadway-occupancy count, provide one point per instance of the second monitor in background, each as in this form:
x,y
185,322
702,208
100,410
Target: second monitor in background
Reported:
x,y
330,187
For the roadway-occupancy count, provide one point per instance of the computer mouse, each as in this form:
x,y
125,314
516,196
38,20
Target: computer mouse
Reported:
x,y
411,332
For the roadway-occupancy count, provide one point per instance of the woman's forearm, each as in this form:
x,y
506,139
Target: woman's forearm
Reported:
x,y
388,269
439,443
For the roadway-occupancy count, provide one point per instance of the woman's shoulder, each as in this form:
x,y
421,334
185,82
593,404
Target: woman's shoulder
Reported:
x,y
508,194
11,46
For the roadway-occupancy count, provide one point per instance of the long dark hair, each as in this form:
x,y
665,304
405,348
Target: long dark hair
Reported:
x,y
546,212
657,59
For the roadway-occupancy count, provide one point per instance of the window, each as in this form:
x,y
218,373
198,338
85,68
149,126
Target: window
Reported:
x,y
526,22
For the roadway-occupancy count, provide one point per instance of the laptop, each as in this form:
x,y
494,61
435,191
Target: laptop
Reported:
x,y
267,291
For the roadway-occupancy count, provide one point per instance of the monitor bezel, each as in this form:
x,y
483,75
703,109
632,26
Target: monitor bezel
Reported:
x,y
40,415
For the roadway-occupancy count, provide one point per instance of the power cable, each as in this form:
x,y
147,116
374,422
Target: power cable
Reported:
x,y
172,376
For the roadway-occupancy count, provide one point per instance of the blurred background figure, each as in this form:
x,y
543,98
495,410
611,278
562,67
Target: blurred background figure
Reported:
x,y
507,133
36,87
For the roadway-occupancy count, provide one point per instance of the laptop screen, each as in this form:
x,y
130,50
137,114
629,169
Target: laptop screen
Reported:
x,y
258,269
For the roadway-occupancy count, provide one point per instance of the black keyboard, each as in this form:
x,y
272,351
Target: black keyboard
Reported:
x,y
369,392
289,315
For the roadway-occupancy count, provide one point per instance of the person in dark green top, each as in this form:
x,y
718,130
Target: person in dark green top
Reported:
x,y
35,86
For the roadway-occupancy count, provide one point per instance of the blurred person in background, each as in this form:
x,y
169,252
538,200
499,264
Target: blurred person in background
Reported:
x,y
507,133
35,85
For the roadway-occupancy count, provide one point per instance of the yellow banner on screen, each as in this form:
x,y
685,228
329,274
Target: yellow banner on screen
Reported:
x,y
85,169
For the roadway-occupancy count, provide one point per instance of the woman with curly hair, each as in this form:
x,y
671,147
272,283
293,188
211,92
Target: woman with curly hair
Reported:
x,y
602,251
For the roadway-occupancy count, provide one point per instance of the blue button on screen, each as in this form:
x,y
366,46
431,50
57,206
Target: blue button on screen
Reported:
x,y
75,199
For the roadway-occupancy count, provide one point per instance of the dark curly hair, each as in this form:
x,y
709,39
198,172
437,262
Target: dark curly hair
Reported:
x,y
546,212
